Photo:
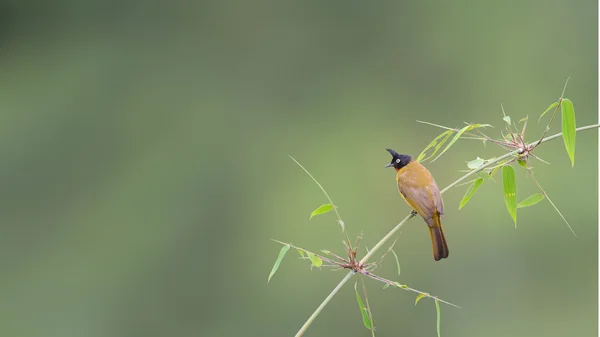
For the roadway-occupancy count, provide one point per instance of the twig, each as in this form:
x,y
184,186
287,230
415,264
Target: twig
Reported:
x,y
320,308
328,198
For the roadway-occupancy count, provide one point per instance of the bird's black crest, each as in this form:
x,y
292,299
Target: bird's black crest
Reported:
x,y
399,160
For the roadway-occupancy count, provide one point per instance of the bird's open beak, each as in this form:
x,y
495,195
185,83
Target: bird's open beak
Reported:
x,y
389,165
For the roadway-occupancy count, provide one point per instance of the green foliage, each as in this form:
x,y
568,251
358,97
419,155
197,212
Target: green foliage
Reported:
x,y
316,261
397,262
470,192
403,286
552,106
282,252
475,163
363,311
458,135
301,252
531,200
437,309
568,128
442,138
509,184
322,210
419,297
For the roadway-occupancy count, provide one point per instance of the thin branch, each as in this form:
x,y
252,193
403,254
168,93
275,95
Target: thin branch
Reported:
x,y
368,307
551,120
407,288
328,198
320,308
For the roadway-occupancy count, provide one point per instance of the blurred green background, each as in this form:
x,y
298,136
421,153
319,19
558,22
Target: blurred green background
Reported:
x,y
144,149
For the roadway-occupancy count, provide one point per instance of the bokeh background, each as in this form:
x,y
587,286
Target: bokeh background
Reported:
x,y
144,164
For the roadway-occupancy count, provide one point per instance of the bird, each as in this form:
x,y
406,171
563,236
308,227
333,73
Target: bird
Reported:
x,y
418,188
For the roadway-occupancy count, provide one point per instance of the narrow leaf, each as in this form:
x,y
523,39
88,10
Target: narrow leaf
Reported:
x,y
568,128
470,192
437,308
439,126
531,200
403,286
363,311
495,169
485,175
475,163
322,210
458,135
341,223
510,191
282,252
454,139
419,297
301,252
478,125
437,142
522,163
552,106
316,261
561,215
397,262
507,120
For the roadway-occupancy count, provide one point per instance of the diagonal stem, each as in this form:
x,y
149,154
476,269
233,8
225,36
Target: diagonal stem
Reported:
x,y
320,308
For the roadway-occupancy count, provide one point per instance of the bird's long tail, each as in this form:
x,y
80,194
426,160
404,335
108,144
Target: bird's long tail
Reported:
x,y
438,241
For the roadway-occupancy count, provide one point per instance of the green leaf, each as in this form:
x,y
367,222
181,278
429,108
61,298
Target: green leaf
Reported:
x,y
363,311
397,262
403,286
485,175
507,119
475,163
552,106
442,138
509,183
437,308
494,170
478,125
522,163
419,297
454,139
531,200
301,252
282,252
322,210
470,192
568,128
385,286
458,135
316,261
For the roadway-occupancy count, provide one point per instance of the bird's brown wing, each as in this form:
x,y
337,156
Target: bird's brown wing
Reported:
x,y
437,199
420,191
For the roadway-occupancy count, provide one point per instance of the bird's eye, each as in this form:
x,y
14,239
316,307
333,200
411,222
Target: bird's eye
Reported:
x,y
397,160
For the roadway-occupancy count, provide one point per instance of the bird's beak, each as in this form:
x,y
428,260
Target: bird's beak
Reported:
x,y
389,165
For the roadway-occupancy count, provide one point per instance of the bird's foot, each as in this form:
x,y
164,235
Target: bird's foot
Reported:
x,y
413,213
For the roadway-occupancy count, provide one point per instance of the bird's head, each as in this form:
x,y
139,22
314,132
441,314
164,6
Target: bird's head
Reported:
x,y
398,160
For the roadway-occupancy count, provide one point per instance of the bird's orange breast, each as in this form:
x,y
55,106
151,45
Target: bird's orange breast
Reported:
x,y
414,175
